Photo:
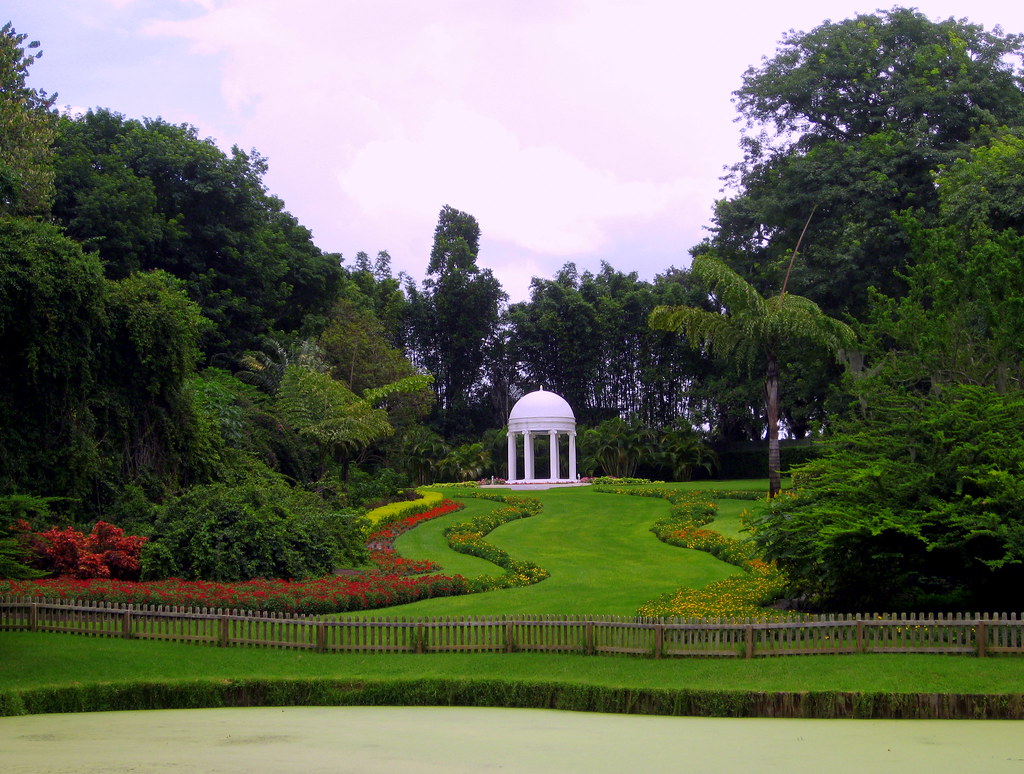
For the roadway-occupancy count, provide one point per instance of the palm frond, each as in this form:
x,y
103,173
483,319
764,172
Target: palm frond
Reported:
x,y
736,294
409,384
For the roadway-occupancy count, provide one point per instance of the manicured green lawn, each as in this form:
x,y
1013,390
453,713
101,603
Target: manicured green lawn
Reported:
x,y
598,547
33,660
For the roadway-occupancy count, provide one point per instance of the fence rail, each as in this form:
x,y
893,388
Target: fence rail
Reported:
x,y
979,634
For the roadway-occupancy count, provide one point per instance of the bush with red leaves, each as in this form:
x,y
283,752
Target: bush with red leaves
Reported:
x,y
104,553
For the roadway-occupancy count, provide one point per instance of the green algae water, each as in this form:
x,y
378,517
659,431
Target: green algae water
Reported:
x,y
443,739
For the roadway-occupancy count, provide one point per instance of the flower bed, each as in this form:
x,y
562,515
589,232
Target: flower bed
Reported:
x,y
397,524
323,595
387,514
737,596
389,562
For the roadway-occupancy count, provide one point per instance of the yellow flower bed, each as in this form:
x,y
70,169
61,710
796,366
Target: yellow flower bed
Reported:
x,y
736,596
427,499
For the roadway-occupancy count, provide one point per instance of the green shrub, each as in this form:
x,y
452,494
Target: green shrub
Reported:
x,y
365,489
256,529
915,506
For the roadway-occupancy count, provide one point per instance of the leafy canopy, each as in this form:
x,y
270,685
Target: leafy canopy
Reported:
x,y
852,118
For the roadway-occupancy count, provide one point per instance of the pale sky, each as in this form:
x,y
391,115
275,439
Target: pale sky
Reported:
x,y
573,130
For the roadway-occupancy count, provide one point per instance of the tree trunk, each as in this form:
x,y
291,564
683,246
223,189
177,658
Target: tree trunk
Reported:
x,y
771,391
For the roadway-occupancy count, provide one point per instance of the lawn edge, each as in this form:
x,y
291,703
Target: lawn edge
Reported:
x,y
461,692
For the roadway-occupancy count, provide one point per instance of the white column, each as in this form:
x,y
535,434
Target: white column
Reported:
x,y
572,455
528,455
553,442
511,456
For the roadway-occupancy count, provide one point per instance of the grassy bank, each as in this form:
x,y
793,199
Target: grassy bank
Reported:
x,y
603,559
32,660
50,672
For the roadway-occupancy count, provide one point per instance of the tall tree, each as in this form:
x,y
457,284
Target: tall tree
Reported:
x,y
92,373
27,124
752,329
153,195
454,319
853,117
52,327
552,340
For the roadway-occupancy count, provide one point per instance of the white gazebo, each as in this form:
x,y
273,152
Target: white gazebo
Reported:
x,y
534,414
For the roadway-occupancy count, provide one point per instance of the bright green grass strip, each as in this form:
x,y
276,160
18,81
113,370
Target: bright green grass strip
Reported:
x,y
34,660
744,484
599,549
727,520
427,541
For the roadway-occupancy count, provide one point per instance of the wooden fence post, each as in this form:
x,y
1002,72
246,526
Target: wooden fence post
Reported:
x,y
749,637
321,636
659,640
33,617
509,644
981,632
860,635
225,623
588,637
126,624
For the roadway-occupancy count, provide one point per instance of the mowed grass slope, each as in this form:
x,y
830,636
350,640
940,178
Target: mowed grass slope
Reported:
x,y
598,547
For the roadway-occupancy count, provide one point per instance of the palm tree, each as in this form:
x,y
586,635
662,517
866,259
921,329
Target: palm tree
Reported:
x,y
681,450
467,462
422,451
618,446
751,328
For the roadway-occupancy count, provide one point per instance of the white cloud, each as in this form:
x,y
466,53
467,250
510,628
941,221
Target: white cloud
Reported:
x,y
541,198
572,129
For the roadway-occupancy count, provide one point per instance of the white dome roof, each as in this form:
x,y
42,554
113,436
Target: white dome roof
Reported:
x,y
541,405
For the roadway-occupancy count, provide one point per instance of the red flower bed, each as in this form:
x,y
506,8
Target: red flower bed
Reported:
x,y
381,542
333,594
388,562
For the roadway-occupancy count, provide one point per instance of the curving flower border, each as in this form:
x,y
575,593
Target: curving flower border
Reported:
x,y
467,538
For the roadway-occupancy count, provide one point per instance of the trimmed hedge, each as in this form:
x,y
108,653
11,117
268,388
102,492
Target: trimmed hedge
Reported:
x,y
454,692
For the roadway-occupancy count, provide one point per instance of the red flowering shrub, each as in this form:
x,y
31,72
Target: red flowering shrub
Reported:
x,y
104,553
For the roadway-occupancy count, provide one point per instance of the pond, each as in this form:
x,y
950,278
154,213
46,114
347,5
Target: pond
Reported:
x,y
451,740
